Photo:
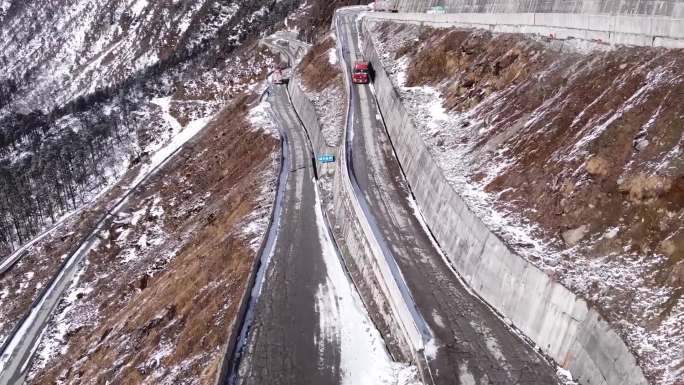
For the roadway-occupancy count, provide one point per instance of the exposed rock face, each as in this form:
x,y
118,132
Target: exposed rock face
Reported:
x,y
573,236
321,79
642,187
597,166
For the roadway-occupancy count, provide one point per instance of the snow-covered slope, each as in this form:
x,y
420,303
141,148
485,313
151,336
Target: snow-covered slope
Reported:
x,y
77,81
57,50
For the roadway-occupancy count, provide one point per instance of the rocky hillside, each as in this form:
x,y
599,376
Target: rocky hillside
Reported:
x,y
321,80
78,81
156,301
55,51
573,154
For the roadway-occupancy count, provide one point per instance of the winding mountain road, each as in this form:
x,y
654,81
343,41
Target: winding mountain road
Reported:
x,y
309,324
282,345
19,348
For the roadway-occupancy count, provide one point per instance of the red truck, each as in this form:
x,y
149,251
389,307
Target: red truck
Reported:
x,y
362,72
278,77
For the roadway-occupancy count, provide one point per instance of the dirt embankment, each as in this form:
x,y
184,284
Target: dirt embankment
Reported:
x,y
580,151
316,69
314,17
321,78
157,298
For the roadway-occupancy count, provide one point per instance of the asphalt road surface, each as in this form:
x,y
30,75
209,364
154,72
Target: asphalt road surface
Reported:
x,y
473,345
283,345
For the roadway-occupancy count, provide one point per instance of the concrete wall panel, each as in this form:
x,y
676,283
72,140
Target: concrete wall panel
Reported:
x,y
643,23
627,7
674,30
633,25
600,23
678,10
562,20
669,43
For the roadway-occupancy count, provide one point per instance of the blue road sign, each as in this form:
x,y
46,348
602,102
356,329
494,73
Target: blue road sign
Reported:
x,y
326,158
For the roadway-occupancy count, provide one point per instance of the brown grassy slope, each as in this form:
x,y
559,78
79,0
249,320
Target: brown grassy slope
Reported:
x,y
323,85
182,305
315,69
613,180
315,18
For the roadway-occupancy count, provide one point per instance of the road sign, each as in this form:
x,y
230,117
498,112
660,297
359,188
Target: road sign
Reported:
x,y
437,9
326,158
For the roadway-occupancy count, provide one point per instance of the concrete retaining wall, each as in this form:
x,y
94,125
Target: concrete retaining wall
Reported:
x,y
307,114
641,23
562,324
630,30
371,272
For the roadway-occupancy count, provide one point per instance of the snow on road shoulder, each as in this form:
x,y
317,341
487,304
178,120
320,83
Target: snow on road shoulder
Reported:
x,y
343,320
332,56
65,321
255,225
260,119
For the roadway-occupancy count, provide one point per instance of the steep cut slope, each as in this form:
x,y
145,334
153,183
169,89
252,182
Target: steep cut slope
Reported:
x,y
159,294
574,157
313,19
321,79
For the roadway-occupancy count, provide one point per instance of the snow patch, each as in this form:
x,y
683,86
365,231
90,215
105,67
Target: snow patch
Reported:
x,y
611,232
260,119
332,56
181,135
431,348
138,6
364,359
